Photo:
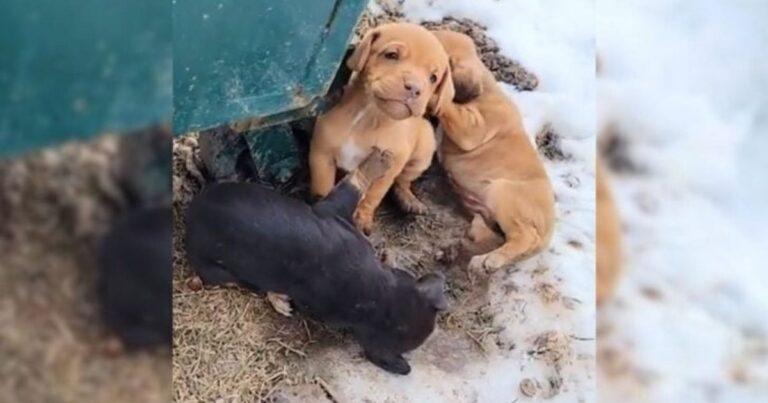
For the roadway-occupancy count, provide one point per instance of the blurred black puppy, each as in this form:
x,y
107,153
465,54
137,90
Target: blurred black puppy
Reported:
x,y
247,234
134,283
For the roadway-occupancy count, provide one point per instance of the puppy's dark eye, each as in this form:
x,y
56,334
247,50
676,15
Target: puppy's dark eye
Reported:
x,y
391,55
433,78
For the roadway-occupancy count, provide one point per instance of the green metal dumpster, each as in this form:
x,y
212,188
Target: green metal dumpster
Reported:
x,y
263,59
73,69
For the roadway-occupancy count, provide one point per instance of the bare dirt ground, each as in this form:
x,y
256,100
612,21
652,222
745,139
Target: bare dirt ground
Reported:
x,y
54,205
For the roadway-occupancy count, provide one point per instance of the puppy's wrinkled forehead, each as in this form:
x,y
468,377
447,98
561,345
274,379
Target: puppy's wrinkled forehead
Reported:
x,y
411,42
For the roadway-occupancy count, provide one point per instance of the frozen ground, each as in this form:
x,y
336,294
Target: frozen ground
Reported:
x,y
684,85
543,306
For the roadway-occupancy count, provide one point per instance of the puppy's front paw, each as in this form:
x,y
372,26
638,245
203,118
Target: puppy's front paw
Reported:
x,y
364,221
281,303
376,164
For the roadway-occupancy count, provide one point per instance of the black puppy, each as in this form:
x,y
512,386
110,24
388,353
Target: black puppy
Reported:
x,y
247,234
134,283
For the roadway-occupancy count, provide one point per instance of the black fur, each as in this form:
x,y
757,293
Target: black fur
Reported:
x,y
134,283
268,242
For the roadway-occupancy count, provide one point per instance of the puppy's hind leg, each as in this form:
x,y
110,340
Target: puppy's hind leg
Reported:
x,y
281,303
482,236
517,246
521,217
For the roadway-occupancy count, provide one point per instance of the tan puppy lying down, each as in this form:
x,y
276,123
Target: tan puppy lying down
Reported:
x,y
491,162
608,239
398,68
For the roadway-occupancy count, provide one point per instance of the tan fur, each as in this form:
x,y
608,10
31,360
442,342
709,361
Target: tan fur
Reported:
x,y
378,109
491,161
608,239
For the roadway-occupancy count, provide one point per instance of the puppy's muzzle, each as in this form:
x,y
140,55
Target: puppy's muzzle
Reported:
x,y
412,90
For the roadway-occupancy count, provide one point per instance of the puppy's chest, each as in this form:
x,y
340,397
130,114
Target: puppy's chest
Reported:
x,y
359,144
351,154
359,140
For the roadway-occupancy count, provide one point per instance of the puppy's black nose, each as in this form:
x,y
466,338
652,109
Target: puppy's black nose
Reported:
x,y
413,89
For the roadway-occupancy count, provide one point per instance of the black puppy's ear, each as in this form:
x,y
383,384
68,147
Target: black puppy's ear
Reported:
x,y
432,286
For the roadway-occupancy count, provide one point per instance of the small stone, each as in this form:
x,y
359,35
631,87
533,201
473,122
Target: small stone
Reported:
x,y
440,255
113,346
194,283
528,387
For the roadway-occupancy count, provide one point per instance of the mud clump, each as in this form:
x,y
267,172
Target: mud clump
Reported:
x,y
549,144
547,292
552,347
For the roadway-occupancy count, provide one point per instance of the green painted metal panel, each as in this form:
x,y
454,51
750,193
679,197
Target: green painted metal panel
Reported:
x,y
264,59
75,68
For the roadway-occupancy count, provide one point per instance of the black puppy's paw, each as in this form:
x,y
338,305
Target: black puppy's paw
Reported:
x,y
395,364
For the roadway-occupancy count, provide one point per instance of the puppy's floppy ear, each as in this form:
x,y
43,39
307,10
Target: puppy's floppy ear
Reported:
x,y
359,57
431,286
443,94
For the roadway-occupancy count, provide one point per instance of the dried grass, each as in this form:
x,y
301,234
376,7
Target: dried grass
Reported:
x,y
53,205
229,344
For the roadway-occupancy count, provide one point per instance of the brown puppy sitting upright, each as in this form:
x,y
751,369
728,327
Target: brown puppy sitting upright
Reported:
x,y
398,68
491,161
